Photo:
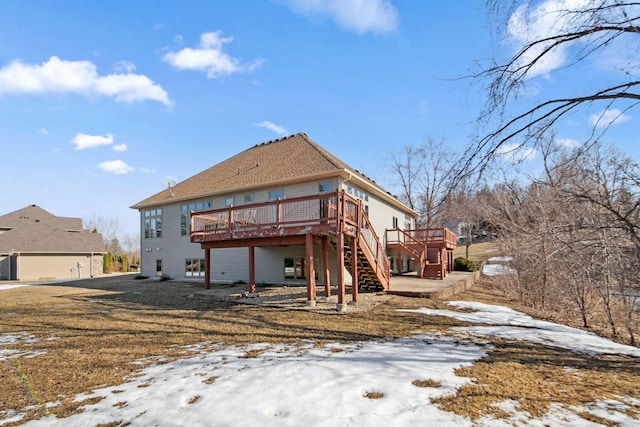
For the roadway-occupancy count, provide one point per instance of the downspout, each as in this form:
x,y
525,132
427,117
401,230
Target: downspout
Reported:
x,y
348,179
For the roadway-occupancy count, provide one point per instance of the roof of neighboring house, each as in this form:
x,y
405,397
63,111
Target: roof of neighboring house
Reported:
x,y
35,214
33,229
287,160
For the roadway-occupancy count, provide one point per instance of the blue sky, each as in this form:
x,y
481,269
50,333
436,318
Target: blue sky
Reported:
x,y
102,101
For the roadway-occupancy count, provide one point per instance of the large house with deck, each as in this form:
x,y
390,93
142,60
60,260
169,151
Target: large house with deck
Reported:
x,y
286,211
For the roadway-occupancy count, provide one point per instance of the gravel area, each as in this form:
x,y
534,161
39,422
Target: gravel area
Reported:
x,y
293,297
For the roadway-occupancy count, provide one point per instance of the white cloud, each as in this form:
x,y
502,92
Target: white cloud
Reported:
x,y
567,142
608,117
274,127
209,57
43,131
81,77
514,153
124,67
147,170
361,16
117,167
120,147
83,141
546,19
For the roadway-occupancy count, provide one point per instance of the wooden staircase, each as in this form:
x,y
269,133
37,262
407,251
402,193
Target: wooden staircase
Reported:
x,y
370,277
432,249
370,257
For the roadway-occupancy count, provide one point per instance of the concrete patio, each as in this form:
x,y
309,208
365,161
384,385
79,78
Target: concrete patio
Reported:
x,y
412,286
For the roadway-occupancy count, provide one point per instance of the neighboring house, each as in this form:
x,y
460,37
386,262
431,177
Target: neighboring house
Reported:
x,y
37,245
283,211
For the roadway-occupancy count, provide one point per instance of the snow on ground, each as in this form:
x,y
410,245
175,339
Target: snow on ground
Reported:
x,y
292,385
500,259
17,338
497,269
4,287
513,325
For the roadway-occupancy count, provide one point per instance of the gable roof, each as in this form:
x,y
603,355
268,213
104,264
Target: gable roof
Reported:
x,y
291,159
33,214
33,229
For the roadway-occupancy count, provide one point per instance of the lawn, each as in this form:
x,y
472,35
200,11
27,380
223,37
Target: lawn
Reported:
x,y
61,344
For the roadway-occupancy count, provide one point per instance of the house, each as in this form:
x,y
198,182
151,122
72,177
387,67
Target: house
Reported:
x,y
37,245
283,211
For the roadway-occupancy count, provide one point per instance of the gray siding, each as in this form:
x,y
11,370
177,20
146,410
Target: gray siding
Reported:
x,y
229,265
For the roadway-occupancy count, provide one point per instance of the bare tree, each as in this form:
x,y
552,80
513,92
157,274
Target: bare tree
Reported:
x,y
574,32
424,175
131,244
109,227
573,235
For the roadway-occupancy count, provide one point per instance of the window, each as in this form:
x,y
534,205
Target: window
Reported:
x,y
276,194
324,187
194,267
294,268
185,225
357,193
228,201
248,198
395,222
153,224
158,267
366,210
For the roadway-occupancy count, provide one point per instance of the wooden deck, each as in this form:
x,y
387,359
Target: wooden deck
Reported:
x,y
431,248
335,219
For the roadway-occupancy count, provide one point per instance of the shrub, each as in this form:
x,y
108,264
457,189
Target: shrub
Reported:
x,y
463,264
165,277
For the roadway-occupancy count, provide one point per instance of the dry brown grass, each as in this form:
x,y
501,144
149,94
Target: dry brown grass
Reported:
x,y
93,330
537,376
479,251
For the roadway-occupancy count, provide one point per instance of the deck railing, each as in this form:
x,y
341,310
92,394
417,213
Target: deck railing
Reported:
x,y
434,236
337,212
270,217
372,242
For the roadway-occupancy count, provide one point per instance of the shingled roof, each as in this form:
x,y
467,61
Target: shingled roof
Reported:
x,y
295,158
33,229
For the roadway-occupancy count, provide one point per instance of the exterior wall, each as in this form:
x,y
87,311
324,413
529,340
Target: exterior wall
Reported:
x,y
56,266
227,265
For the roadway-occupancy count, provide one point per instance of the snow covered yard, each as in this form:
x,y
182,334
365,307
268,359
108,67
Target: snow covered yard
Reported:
x,y
431,376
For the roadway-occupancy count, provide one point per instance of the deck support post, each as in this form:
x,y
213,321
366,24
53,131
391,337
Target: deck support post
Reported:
x,y
311,273
443,264
354,269
252,269
340,258
325,266
399,262
207,268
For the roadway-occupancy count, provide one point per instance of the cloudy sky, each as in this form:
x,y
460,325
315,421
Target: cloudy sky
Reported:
x,y
102,101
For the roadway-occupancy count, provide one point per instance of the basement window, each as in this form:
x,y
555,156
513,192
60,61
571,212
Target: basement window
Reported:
x,y
194,267
294,268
